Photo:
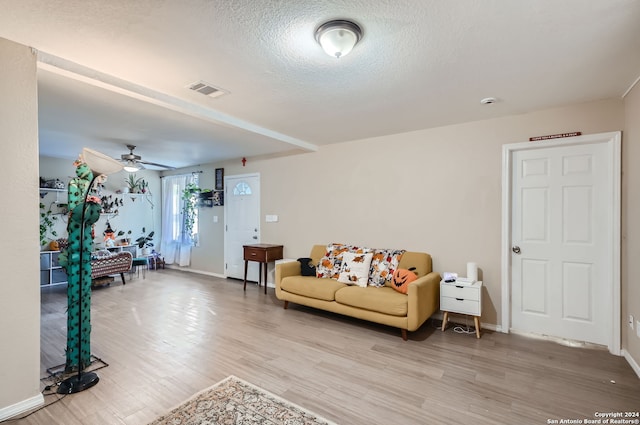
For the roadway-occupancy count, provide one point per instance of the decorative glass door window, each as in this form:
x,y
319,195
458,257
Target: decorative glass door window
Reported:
x,y
242,189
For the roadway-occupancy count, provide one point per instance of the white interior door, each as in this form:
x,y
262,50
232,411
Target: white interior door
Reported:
x,y
561,274
242,223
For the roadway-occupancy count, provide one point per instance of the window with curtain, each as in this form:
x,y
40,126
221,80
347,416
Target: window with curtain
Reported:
x,y
176,241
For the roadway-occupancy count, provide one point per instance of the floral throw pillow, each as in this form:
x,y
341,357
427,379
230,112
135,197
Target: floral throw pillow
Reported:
x,y
383,264
355,268
331,264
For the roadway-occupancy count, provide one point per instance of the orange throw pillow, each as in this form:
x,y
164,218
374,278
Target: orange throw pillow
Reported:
x,y
402,278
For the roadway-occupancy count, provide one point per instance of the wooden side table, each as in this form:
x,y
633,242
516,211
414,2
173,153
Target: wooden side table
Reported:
x,y
264,254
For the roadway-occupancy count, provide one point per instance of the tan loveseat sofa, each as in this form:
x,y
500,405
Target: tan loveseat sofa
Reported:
x,y
382,305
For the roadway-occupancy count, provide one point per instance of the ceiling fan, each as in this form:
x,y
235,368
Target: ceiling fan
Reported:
x,y
133,162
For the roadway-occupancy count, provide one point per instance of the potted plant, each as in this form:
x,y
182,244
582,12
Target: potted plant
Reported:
x,y
124,241
144,242
133,183
144,186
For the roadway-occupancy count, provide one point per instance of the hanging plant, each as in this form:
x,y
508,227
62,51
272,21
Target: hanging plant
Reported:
x,y
190,198
47,222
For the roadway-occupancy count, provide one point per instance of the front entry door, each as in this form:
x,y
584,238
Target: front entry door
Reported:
x,y
561,219
242,223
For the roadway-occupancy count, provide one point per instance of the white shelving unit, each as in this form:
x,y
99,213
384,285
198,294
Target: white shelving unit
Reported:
x,y
51,273
135,196
142,196
44,191
133,249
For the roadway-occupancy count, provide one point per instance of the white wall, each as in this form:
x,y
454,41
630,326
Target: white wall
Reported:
x,y
136,212
20,290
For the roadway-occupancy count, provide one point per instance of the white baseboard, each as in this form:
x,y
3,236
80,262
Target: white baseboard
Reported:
x,y
21,407
634,365
497,328
221,276
190,270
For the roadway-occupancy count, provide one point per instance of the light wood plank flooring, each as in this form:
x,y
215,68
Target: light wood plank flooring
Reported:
x,y
173,334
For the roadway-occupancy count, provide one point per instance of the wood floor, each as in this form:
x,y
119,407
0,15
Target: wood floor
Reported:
x,y
173,334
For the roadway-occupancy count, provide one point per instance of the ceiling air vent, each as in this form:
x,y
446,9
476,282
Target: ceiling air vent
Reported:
x,y
207,89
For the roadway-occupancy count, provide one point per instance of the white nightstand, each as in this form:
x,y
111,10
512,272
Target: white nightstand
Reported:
x,y
462,299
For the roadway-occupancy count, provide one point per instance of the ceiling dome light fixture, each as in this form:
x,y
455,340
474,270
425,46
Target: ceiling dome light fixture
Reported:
x,y
338,37
488,100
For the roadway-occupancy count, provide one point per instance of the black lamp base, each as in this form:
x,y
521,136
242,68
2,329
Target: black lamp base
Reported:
x,y
77,383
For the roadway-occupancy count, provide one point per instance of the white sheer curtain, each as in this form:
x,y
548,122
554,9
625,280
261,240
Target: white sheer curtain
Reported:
x,y
176,244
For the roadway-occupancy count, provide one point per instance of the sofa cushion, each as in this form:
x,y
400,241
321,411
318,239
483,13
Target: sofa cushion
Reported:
x,y
382,300
312,287
355,268
384,263
331,264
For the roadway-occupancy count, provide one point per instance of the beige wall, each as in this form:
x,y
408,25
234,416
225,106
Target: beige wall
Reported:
x,y
631,221
20,290
436,190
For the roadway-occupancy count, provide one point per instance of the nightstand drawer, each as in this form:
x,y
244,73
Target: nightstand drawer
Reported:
x,y
262,252
460,305
255,254
470,292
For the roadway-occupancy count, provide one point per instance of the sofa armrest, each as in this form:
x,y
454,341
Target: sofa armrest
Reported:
x,y
424,299
290,268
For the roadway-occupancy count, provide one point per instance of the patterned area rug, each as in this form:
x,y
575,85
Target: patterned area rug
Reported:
x,y
234,402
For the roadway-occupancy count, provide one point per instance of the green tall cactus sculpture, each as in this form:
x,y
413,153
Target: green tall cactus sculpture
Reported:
x,y
78,351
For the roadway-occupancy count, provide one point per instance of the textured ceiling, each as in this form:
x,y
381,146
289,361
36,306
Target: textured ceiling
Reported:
x,y
115,72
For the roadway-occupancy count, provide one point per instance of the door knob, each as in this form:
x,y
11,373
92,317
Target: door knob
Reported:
x,y
255,237
516,250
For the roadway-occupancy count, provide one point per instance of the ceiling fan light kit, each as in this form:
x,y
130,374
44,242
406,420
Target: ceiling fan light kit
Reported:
x,y
132,166
338,37
132,162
